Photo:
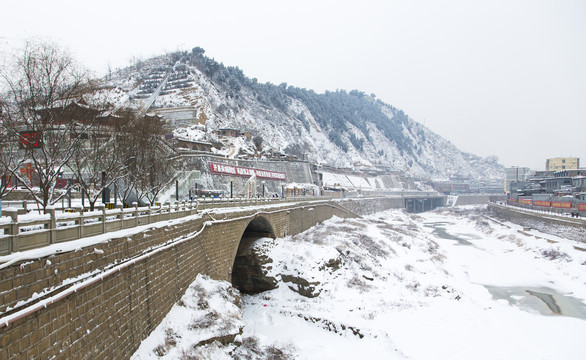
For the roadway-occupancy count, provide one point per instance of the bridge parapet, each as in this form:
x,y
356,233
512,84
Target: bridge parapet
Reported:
x,y
101,299
25,276
20,232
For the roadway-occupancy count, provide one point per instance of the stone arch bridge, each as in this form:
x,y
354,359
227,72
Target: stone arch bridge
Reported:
x,y
101,301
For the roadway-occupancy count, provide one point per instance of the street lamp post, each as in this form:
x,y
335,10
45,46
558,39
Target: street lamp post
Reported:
x,y
176,190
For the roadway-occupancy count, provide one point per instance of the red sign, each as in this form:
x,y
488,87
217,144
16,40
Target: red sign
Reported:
x,y
582,207
562,205
525,201
247,172
542,203
28,172
30,139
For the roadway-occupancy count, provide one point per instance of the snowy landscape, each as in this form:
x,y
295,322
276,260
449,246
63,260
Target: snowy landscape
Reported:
x,y
198,95
136,165
453,283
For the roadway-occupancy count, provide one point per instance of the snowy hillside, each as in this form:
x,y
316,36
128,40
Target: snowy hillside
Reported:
x,y
338,129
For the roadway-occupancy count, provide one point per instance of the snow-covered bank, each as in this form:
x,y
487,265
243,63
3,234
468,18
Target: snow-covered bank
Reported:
x,y
205,324
448,284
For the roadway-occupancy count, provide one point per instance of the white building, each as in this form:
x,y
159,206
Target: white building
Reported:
x,y
516,173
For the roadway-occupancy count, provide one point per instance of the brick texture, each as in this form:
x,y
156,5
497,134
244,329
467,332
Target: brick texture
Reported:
x,y
109,319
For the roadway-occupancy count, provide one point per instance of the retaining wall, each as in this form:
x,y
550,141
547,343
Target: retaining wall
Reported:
x,y
364,206
563,226
478,199
125,286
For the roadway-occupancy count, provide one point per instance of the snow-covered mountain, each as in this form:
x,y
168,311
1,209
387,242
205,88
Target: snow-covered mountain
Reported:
x,y
340,129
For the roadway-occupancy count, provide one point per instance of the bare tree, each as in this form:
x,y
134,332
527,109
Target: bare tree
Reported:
x,y
150,164
8,163
43,115
97,162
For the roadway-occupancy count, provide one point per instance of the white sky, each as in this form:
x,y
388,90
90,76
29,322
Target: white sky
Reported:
x,y
495,77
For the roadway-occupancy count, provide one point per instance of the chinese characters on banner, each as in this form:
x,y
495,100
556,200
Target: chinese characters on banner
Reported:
x,y
562,205
247,172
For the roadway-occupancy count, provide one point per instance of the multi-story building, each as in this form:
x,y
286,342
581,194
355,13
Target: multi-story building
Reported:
x,y
579,183
516,173
562,163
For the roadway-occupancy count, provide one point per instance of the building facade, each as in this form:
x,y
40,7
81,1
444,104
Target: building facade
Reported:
x,y
562,163
516,173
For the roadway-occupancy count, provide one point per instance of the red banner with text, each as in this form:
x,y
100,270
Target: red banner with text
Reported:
x,y
562,205
247,172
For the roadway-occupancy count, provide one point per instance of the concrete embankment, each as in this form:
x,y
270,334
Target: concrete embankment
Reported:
x,y
563,226
477,199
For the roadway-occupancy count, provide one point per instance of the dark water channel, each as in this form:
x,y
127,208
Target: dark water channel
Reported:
x,y
544,300
439,230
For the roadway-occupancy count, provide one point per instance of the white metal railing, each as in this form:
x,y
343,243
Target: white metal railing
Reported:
x,y
21,231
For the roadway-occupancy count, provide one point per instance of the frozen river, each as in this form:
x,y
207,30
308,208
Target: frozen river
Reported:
x,y
490,292
447,284
529,297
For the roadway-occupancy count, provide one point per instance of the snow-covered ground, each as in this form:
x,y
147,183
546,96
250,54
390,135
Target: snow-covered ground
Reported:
x,y
354,182
448,284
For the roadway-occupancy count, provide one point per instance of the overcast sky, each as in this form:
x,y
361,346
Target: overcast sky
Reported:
x,y
495,77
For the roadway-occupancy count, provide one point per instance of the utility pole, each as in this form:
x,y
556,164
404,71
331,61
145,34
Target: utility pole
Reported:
x,y
69,183
176,190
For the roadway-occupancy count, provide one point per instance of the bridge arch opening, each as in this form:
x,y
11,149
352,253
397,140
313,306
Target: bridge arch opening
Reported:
x,y
247,270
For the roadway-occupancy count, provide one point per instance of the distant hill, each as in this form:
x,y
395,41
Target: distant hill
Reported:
x,y
339,128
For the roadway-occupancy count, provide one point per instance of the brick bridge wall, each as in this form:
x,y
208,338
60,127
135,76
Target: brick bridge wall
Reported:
x,y
128,285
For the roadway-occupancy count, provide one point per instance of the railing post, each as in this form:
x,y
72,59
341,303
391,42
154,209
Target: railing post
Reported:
x,y
120,208
102,207
13,213
52,223
135,213
168,206
79,210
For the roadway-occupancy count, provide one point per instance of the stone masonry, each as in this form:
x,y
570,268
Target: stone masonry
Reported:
x,y
123,288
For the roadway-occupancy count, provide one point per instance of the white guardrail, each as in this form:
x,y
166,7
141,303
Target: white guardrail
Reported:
x,y
21,231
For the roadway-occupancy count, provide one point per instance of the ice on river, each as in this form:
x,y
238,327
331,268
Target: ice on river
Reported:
x,y
448,284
